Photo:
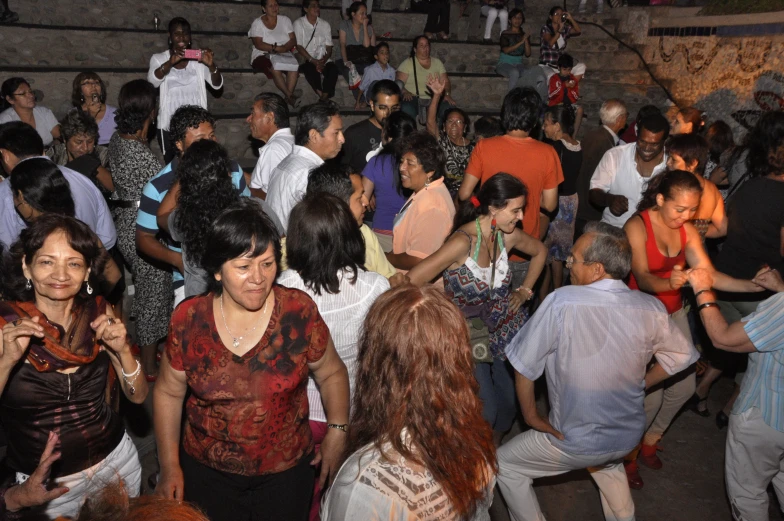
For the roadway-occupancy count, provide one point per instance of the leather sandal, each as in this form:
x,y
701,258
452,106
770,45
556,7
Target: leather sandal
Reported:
x,y
694,404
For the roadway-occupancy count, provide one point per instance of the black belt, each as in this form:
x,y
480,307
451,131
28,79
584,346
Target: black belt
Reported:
x,y
123,204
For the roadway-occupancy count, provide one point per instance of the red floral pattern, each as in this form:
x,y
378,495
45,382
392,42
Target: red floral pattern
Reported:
x,y
248,415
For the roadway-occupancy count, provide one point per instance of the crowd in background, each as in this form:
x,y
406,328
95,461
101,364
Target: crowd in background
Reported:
x,y
349,330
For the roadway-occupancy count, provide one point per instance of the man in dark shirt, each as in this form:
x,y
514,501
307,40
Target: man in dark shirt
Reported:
x,y
364,136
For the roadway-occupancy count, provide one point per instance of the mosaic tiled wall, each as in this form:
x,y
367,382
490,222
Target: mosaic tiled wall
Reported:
x,y
731,78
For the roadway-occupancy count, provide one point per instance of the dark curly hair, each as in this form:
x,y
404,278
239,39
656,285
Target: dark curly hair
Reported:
x,y
204,173
32,238
188,117
76,123
425,147
766,145
134,105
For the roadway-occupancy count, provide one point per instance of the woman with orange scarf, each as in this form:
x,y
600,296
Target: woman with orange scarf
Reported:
x,y
62,349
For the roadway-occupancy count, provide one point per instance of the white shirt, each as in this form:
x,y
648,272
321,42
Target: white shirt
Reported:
x,y
179,87
370,487
277,36
594,343
344,313
322,37
270,155
44,121
617,174
289,180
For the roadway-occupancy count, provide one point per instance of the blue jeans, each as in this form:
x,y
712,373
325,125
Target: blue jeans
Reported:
x,y
510,71
497,392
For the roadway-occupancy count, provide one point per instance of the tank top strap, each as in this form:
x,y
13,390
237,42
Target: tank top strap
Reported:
x,y
470,240
646,219
683,241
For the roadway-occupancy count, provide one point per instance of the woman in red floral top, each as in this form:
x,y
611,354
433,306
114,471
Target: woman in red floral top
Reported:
x,y
244,351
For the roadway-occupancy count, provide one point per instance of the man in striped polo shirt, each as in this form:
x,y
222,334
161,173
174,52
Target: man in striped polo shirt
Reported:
x,y
755,441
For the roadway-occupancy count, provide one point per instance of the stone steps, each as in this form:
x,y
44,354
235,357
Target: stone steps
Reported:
x,y
478,91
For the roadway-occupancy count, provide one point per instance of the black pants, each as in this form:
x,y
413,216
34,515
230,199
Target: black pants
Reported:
x,y
231,497
437,16
323,81
167,146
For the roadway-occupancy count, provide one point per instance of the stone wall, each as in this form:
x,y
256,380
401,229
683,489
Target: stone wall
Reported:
x,y
734,79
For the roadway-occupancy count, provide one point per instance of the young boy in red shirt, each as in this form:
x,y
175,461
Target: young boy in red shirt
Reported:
x,y
564,89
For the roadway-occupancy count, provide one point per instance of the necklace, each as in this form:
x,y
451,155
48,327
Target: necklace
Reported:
x,y
235,341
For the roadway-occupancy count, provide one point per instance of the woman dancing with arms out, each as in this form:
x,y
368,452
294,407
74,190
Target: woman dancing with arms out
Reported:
x,y
475,268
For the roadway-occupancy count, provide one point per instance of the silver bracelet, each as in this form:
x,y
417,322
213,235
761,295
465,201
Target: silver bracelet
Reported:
x,y
132,376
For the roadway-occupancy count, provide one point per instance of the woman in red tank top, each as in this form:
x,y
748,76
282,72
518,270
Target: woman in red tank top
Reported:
x,y
664,243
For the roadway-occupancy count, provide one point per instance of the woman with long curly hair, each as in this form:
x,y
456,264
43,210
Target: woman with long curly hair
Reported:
x,y
418,446
203,190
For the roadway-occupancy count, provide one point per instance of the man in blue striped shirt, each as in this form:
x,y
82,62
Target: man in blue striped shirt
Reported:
x,y
755,441
188,125
593,340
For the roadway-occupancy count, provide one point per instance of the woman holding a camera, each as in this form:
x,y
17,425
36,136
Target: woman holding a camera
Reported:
x,y
560,26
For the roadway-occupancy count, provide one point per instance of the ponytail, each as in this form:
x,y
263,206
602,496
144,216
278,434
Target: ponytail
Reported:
x,y
496,191
667,184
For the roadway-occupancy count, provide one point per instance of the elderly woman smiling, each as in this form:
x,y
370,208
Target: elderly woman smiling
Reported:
x,y
62,349
426,218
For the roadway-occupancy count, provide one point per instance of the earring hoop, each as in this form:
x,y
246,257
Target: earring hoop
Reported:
x,y
89,288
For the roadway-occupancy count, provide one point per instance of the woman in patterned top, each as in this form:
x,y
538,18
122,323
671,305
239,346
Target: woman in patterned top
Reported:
x,y
415,409
452,137
132,164
245,351
475,268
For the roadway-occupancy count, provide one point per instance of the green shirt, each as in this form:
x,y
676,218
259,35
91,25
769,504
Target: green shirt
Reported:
x,y
436,67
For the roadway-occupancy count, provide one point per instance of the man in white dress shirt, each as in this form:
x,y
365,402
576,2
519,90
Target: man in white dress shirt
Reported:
x,y
269,122
624,171
314,45
319,137
593,340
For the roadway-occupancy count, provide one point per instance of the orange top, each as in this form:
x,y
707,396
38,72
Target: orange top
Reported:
x,y
424,222
534,163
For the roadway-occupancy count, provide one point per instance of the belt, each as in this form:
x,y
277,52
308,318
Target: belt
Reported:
x,y
123,204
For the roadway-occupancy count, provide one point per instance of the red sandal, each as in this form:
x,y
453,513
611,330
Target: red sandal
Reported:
x,y
649,458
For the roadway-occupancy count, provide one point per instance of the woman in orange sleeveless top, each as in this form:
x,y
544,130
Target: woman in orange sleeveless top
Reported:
x,y
664,242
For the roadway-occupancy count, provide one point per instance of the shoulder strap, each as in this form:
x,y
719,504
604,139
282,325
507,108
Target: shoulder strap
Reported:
x,y
470,241
416,83
312,34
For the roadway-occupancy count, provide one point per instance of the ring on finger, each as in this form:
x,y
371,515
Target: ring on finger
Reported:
x,y
110,321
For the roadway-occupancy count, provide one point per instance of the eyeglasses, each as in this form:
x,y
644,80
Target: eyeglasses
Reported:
x,y
25,93
454,122
571,262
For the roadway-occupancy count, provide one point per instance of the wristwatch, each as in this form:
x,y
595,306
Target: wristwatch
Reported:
x,y
343,427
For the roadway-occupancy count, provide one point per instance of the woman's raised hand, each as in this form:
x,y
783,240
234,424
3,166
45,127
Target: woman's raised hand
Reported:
x,y
111,331
436,83
16,339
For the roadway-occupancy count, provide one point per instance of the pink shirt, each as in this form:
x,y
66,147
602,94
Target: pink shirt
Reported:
x,y
425,221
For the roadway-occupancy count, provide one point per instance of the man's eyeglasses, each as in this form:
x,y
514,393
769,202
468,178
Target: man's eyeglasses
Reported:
x,y
570,261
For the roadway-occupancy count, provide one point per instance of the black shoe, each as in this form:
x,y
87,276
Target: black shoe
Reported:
x,y
722,420
9,17
694,402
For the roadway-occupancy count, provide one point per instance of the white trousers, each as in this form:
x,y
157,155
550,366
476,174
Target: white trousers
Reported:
x,y
492,13
530,455
754,459
122,464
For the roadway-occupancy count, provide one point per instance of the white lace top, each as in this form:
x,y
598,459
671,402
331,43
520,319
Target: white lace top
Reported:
x,y
371,488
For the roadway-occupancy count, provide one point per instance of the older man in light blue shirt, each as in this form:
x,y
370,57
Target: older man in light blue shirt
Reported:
x,y
593,340
755,441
